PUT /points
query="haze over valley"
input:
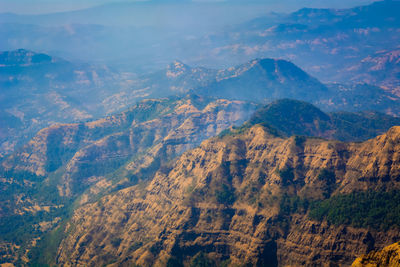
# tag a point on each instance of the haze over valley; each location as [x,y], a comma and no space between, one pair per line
[199,133]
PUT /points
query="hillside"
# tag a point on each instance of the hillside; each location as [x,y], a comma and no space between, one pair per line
[293,117]
[240,199]
[80,162]
[38,90]
[389,256]
[69,165]
[60,91]
[333,45]
[381,68]
[265,79]
[187,133]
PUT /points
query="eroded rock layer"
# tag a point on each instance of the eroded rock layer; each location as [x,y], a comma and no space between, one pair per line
[222,201]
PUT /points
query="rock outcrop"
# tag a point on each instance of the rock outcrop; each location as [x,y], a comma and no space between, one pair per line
[222,200]
[389,256]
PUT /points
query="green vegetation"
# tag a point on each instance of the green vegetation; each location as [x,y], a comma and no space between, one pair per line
[201,260]
[292,117]
[225,195]
[293,204]
[234,131]
[361,126]
[44,253]
[300,140]
[174,262]
[376,210]
[286,174]
[115,242]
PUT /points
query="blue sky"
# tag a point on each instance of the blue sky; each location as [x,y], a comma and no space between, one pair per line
[47,6]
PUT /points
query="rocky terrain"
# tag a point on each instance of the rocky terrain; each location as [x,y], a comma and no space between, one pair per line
[71,165]
[227,202]
[382,68]
[56,89]
[38,90]
[276,143]
[57,166]
[389,256]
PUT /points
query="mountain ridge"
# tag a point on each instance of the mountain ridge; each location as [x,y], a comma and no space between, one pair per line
[204,202]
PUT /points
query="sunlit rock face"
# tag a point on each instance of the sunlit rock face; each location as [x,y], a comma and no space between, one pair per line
[223,199]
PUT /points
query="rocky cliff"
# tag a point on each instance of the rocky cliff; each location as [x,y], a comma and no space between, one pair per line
[81,161]
[237,200]
[389,256]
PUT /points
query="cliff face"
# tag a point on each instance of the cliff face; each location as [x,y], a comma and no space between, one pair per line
[89,150]
[389,256]
[69,162]
[224,199]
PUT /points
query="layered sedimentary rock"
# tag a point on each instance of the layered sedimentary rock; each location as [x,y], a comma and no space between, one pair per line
[223,198]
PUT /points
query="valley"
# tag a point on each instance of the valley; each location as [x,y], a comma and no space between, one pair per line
[178,134]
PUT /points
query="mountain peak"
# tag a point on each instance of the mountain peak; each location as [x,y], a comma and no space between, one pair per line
[176,69]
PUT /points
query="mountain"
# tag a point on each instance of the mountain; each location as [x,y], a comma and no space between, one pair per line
[62,92]
[382,68]
[68,166]
[71,164]
[293,117]
[178,77]
[252,198]
[38,90]
[389,256]
[265,79]
[132,35]
[323,42]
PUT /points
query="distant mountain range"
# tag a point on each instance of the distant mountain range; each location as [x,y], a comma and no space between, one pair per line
[381,68]
[324,42]
[283,149]
[60,91]
[38,90]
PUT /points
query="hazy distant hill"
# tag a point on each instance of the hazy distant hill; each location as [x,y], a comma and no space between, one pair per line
[324,42]
[292,117]
[381,68]
[38,89]
[321,41]
[60,91]
[265,79]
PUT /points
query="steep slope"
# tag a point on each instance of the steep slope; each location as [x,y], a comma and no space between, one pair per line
[389,256]
[265,79]
[38,90]
[292,117]
[61,92]
[359,97]
[69,161]
[236,200]
[324,42]
[381,68]
[180,78]
[82,162]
